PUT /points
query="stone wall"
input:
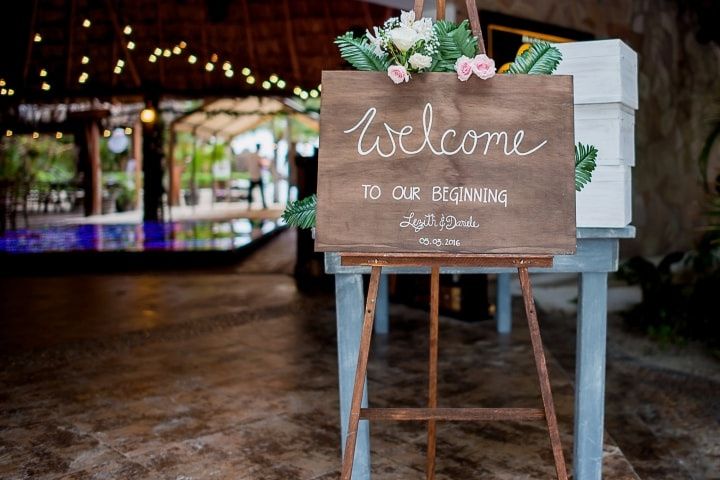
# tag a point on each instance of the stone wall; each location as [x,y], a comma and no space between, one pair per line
[679,85]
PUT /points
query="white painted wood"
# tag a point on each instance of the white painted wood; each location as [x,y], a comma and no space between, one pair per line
[611,128]
[607,200]
[604,71]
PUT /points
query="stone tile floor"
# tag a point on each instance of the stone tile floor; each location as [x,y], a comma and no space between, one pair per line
[230,374]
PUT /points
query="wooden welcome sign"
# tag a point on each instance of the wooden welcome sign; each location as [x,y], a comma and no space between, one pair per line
[443,166]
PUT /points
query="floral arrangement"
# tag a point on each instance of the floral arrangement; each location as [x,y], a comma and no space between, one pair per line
[406,45]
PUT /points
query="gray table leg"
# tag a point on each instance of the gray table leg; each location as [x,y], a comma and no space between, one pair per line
[590,376]
[382,308]
[503,304]
[350,306]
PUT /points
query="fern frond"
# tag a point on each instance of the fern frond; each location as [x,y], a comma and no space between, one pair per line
[454,42]
[301,213]
[540,59]
[359,53]
[585,156]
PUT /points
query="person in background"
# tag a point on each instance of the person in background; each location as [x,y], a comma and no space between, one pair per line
[255,165]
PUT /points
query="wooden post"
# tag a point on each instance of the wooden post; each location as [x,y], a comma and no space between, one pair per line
[137,155]
[432,369]
[93,170]
[174,172]
[152,168]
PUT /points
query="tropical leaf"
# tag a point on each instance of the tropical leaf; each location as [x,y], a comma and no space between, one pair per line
[540,59]
[585,156]
[301,213]
[359,53]
[454,42]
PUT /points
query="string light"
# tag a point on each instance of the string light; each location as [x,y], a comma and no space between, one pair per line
[266,85]
[127,30]
[229,73]
[120,62]
[245,71]
[128,131]
[43,72]
[297,90]
[2,82]
[209,67]
[83,77]
[3,91]
[304,95]
[58,135]
[11,92]
[167,52]
[117,70]
[314,93]
[106,133]
[273,78]
[147,115]
[152,58]
[182,44]
[8,133]
[37,38]
[250,79]
[131,45]
[157,52]
[192,59]
[227,66]
[319,88]
[281,83]
[177,50]
[45,86]
[85,60]
[86,23]
[214,57]
[35,135]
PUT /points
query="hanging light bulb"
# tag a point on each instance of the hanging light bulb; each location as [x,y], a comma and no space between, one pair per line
[281,83]
[85,60]
[209,67]
[35,135]
[245,71]
[58,135]
[117,70]
[127,30]
[166,52]
[148,115]
[214,57]
[273,78]
[3,91]
[8,133]
[250,79]
[37,38]
[314,93]
[2,82]
[86,23]
[192,59]
[182,44]
[152,58]
[11,92]
[229,73]
[83,77]
[304,95]
[266,85]
[226,66]
[43,72]
[297,90]
[106,133]
[177,50]
[131,45]
[157,52]
[45,86]
[128,131]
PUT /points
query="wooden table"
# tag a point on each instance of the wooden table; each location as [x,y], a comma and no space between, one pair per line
[597,255]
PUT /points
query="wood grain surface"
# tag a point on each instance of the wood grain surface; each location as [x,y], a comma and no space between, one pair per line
[393,158]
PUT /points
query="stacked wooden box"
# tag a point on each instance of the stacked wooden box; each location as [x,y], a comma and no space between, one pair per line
[606,98]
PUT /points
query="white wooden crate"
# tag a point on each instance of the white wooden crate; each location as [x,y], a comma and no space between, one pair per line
[606,97]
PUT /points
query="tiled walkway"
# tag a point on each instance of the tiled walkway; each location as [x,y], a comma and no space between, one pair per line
[233,375]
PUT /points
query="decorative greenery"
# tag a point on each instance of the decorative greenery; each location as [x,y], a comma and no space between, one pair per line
[540,59]
[585,156]
[454,42]
[359,53]
[301,213]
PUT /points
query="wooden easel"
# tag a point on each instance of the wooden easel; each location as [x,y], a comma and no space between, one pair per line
[432,413]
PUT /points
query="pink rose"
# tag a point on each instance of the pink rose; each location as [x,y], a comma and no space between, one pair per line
[483,66]
[398,74]
[464,68]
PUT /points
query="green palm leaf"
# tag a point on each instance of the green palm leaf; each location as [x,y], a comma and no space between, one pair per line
[359,53]
[454,42]
[301,213]
[540,59]
[585,156]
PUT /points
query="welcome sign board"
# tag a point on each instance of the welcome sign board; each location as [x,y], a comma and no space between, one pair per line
[443,166]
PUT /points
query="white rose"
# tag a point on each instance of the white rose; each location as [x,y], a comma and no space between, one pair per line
[403,37]
[423,27]
[407,18]
[418,60]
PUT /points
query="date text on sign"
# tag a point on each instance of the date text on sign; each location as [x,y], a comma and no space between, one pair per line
[439,165]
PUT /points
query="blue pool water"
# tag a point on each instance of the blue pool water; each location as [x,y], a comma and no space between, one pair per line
[226,235]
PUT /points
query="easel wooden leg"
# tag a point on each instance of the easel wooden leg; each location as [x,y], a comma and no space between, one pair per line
[432,369]
[542,371]
[360,372]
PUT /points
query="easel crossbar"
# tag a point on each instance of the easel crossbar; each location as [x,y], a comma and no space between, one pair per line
[452,414]
[357,259]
